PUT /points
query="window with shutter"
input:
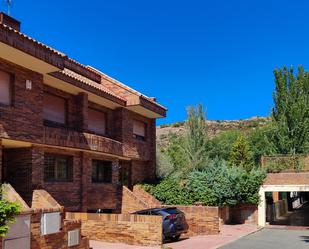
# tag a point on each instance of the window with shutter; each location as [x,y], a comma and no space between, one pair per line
[54,109]
[139,130]
[5,88]
[96,121]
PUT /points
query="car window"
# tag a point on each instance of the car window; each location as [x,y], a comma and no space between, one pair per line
[172,211]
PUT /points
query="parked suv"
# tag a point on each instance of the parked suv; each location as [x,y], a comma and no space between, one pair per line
[174,221]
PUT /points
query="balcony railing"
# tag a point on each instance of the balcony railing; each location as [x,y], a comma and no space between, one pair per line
[73,139]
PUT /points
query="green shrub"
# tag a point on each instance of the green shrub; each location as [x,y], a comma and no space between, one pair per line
[8,211]
[216,185]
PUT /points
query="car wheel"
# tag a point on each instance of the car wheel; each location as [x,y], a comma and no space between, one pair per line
[175,238]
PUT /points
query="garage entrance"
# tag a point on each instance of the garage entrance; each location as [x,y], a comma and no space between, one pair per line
[284,205]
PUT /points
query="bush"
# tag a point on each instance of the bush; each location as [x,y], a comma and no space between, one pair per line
[217,185]
[8,211]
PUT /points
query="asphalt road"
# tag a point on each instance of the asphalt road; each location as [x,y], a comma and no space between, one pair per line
[272,239]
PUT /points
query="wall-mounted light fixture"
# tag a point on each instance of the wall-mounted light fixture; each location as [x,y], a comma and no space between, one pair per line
[28,84]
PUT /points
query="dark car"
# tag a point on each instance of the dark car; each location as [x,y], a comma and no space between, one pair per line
[174,221]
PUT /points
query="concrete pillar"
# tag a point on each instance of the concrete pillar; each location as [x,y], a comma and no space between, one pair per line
[262,208]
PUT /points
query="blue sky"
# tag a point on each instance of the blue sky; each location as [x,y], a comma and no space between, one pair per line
[218,53]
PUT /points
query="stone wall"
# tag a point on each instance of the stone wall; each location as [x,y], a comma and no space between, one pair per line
[129,229]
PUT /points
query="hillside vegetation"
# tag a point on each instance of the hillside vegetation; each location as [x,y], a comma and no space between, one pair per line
[213,128]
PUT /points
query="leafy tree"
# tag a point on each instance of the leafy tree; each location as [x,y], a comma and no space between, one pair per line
[175,153]
[195,140]
[290,114]
[260,143]
[164,166]
[241,154]
[221,145]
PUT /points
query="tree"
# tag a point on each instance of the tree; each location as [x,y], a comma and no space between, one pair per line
[195,140]
[164,166]
[241,154]
[290,114]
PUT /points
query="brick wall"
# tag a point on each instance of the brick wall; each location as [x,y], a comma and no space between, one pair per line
[201,220]
[25,113]
[244,214]
[44,203]
[131,202]
[129,229]
[145,196]
[57,240]
[225,215]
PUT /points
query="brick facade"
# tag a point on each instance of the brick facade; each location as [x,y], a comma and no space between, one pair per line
[26,139]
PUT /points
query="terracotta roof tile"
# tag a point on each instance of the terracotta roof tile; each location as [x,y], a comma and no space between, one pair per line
[89,82]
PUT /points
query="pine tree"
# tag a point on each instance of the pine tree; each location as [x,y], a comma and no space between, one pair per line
[290,114]
[241,154]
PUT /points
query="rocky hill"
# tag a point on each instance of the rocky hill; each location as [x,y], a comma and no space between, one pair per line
[214,127]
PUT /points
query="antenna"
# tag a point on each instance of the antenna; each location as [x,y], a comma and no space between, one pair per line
[9,3]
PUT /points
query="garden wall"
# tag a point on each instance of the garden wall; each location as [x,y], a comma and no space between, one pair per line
[131,202]
[201,220]
[122,228]
[244,214]
[43,203]
[148,198]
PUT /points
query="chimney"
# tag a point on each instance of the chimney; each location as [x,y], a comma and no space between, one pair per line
[9,21]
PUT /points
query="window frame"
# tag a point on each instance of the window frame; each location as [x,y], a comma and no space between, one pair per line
[139,137]
[11,88]
[106,121]
[52,123]
[69,168]
[96,178]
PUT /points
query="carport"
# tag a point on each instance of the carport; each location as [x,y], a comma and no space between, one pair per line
[281,182]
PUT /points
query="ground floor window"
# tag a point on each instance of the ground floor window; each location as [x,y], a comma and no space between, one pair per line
[58,168]
[101,171]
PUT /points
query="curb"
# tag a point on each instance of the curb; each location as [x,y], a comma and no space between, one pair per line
[240,237]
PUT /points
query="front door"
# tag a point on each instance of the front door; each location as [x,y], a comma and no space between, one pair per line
[125,174]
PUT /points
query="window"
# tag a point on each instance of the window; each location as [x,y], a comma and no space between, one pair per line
[139,130]
[58,168]
[96,121]
[54,109]
[5,88]
[101,171]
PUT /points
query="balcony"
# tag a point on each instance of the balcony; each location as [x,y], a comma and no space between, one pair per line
[73,139]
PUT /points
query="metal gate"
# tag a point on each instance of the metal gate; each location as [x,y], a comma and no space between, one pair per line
[19,234]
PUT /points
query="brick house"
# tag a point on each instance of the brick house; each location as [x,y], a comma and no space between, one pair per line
[69,128]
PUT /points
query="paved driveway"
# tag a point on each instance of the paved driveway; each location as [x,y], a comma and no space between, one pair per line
[228,234]
[272,239]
